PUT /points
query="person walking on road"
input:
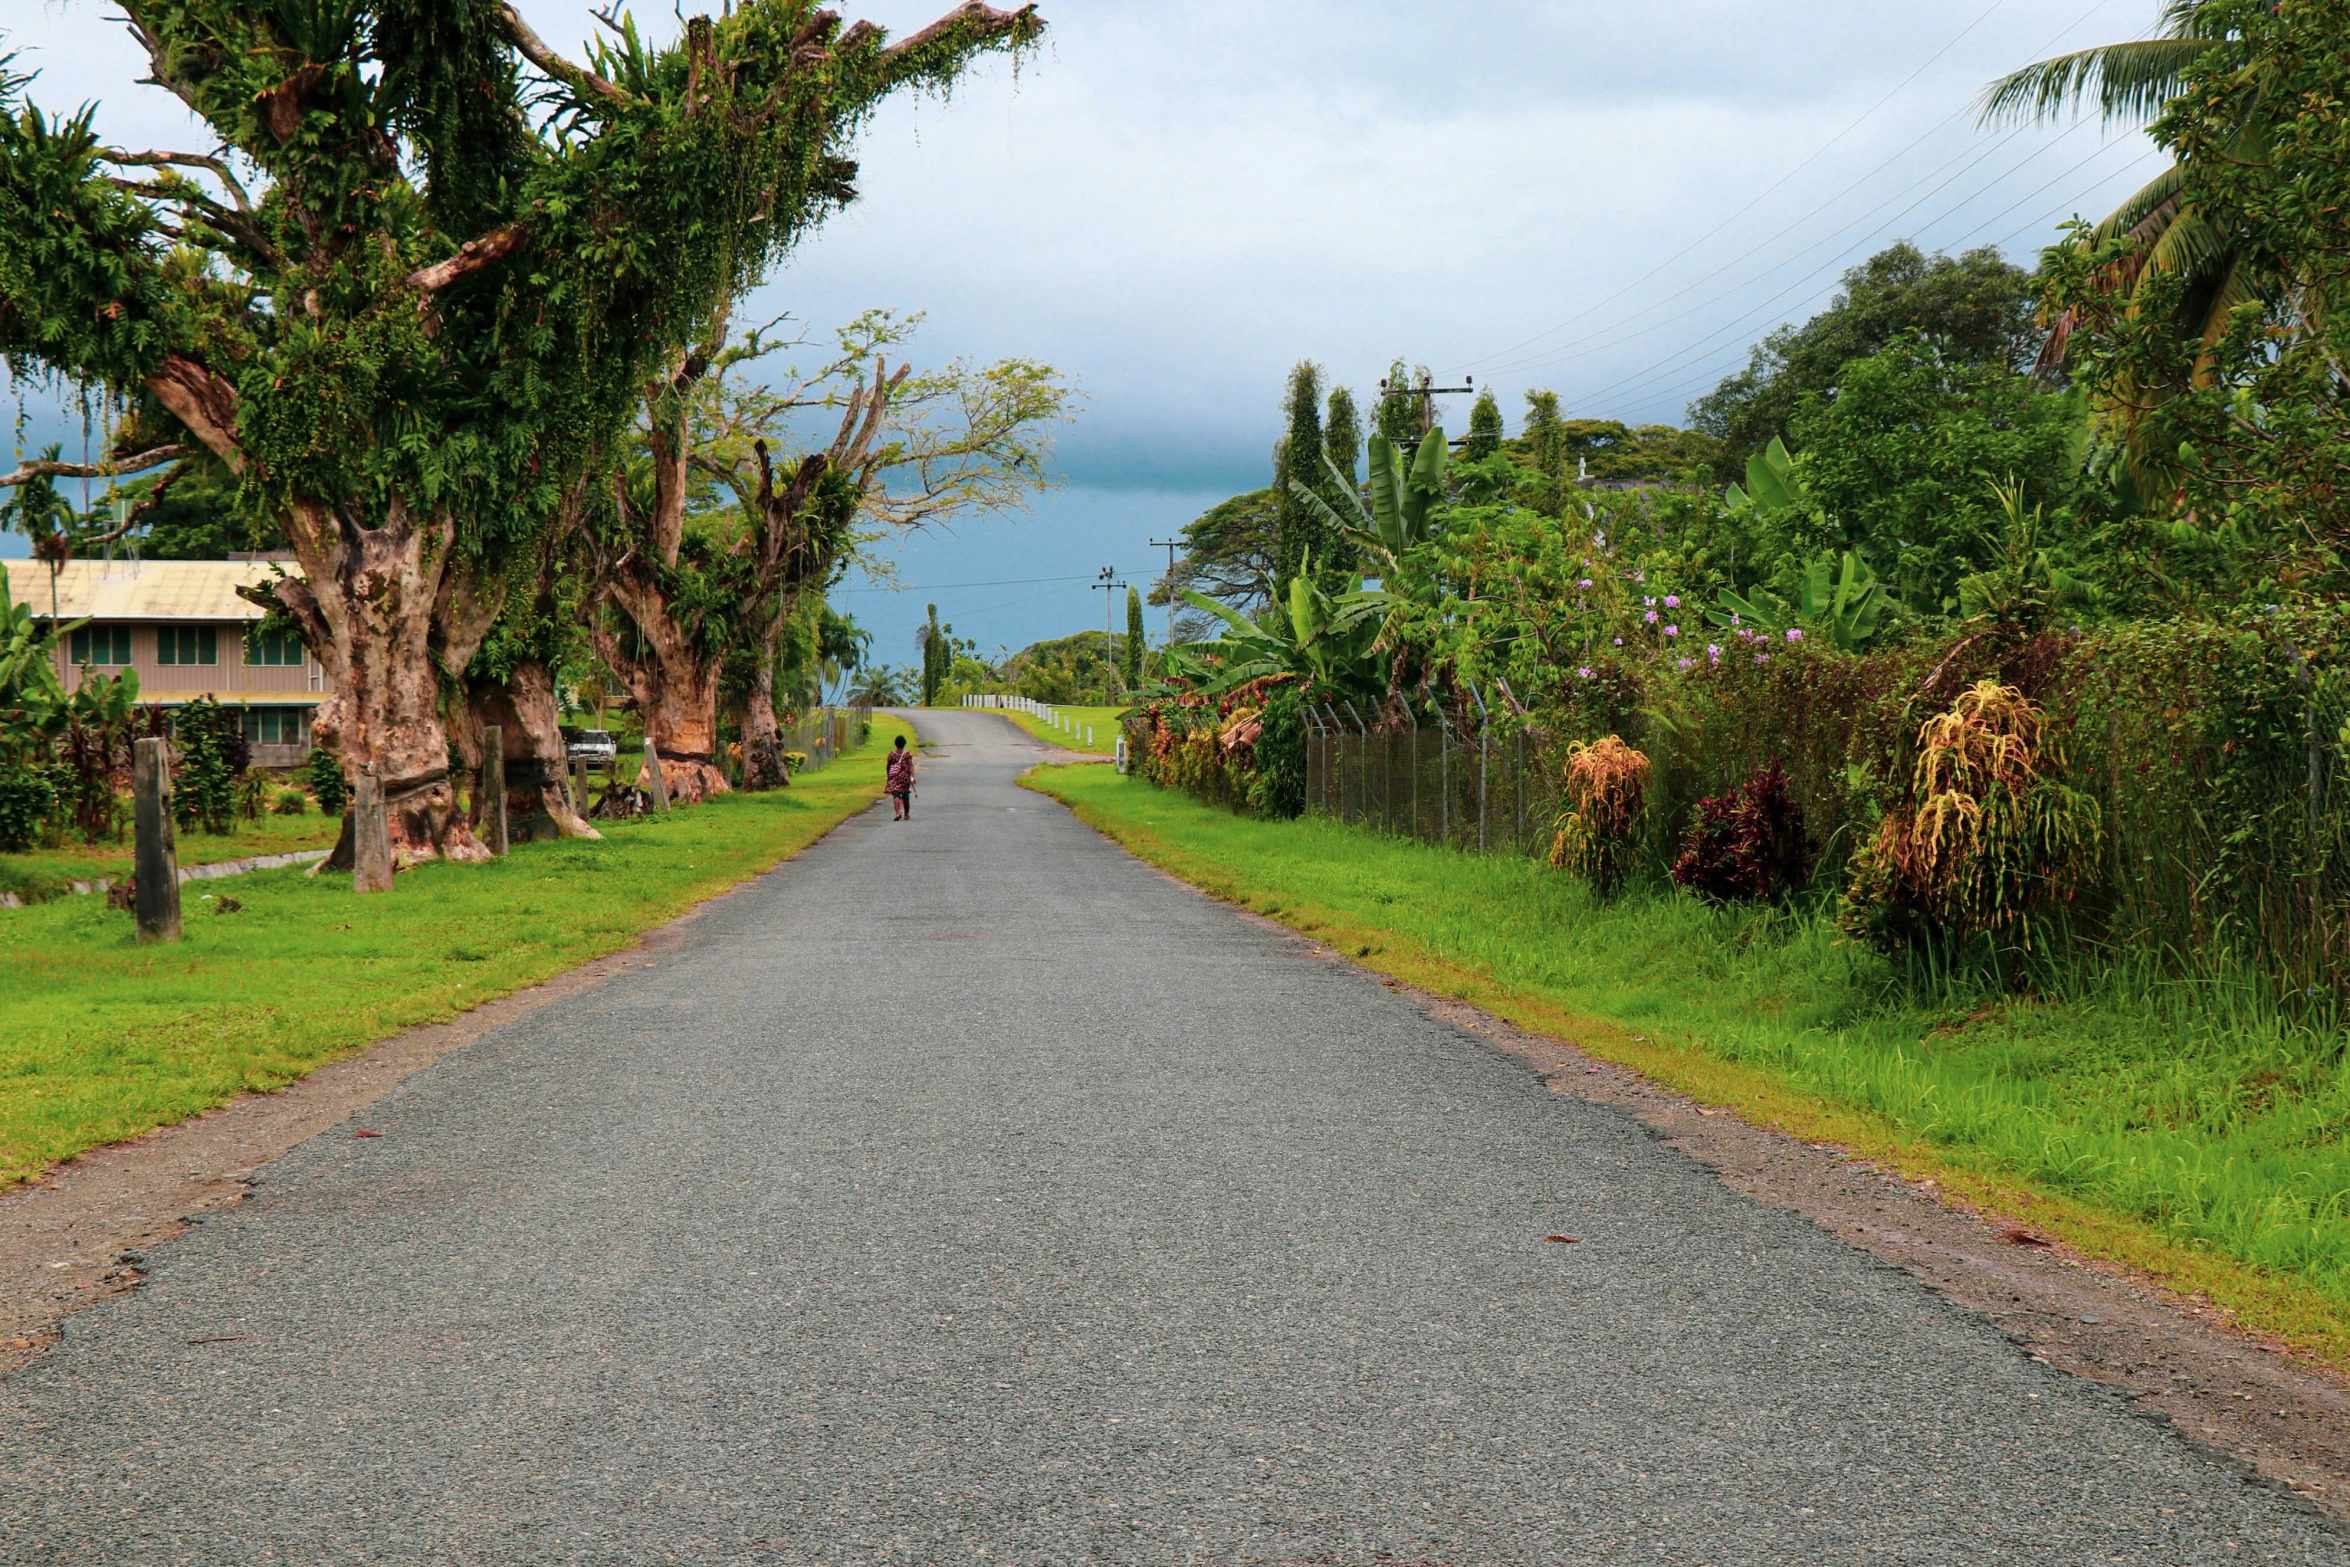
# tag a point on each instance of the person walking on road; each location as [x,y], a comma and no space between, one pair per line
[900,781]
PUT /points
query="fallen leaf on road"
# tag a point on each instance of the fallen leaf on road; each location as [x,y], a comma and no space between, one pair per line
[2017,1235]
[221,1338]
[1568,1240]
[363,1132]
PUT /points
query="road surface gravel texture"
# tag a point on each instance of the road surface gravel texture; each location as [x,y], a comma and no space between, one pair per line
[965,1191]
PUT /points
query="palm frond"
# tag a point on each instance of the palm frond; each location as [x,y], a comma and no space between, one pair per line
[2130,81]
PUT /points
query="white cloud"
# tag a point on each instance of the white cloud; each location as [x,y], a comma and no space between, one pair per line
[1175,202]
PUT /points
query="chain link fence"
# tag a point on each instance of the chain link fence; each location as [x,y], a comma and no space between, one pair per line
[825,734]
[1482,787]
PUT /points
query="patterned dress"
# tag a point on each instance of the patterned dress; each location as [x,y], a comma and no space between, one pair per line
[901,772]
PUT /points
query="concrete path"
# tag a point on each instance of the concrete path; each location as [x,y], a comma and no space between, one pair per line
[966,1192]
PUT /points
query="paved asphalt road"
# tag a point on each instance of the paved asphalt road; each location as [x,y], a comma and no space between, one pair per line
[965,1192]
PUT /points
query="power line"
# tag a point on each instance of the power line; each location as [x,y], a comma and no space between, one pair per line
[1972,160]
[1738,322]
[1774,185]
[1690,384]
[1488,362]
[943,587]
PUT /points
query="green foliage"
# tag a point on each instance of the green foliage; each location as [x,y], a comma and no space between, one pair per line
[290,802]
[1324,640]
[209,750]
[1841,600]
[327,784]
[1278,788]
[1072,671]
[1485,427]
[1342,435]
[1131,650]
[1975,311]
[2225,392]
[1228,553]
[27,796]
[936,658]
[1300,532]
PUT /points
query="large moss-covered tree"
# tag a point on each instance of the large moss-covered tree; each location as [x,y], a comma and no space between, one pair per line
[415,292]
[709,558]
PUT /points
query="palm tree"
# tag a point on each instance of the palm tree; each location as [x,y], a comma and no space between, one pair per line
[2133,83]
[878,685]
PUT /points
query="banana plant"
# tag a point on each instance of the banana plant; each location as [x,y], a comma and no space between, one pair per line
[1324,639]
[2023,587]
[1771,482]
[32,699]
[1843,601]
[1404,497]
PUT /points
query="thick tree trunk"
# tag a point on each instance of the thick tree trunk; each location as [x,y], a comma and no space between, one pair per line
[526,710]
[763,765]
[676,690]
[375,605]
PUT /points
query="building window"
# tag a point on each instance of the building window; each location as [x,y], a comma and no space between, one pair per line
[280,651]
[187,645]
[100,645]
[277,725]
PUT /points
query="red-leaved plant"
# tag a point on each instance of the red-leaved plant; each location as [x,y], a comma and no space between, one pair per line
[1748,845]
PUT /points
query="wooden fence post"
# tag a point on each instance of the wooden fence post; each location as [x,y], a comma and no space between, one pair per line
[155,857]
[655,783]
[493,788]
[371,834]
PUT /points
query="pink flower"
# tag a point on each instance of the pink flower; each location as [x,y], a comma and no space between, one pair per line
[1672,631]
[1586,582]
[1650,617]
[1672,601]
[1762,658]
[1619,641]
[1683,663]
[1583,673]
[1713,652]
[1648,601]
[1794,635]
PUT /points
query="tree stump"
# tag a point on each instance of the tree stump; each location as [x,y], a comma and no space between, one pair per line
[656,784]
[371,835]
[156,856]
[493,789]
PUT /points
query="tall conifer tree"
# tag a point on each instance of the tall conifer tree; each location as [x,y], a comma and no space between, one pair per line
[1299,533]
[1485,427]
[1342,435]
[1136,640]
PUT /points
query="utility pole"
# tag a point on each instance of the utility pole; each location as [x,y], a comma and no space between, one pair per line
[1427,396]
[1170,546]
[1107,585]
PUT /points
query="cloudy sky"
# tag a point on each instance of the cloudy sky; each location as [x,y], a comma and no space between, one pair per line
[1174,202]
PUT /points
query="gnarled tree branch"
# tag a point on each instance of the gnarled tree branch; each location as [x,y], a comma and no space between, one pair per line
[214,166]
[471,257]
[155,457]
[535,50]
[203,402]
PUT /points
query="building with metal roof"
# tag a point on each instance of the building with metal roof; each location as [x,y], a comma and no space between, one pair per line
[183,627]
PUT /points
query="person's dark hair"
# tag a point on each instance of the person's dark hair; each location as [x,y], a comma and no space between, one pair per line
[901,742]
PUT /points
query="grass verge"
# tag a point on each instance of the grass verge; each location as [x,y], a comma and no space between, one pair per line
[102,1039]
[1103,720]
[2195,1134]
[40,874]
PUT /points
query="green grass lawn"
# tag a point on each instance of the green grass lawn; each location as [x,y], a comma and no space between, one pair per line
[2195,1133]
[46,873]
[1103,719]
[102,1039]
